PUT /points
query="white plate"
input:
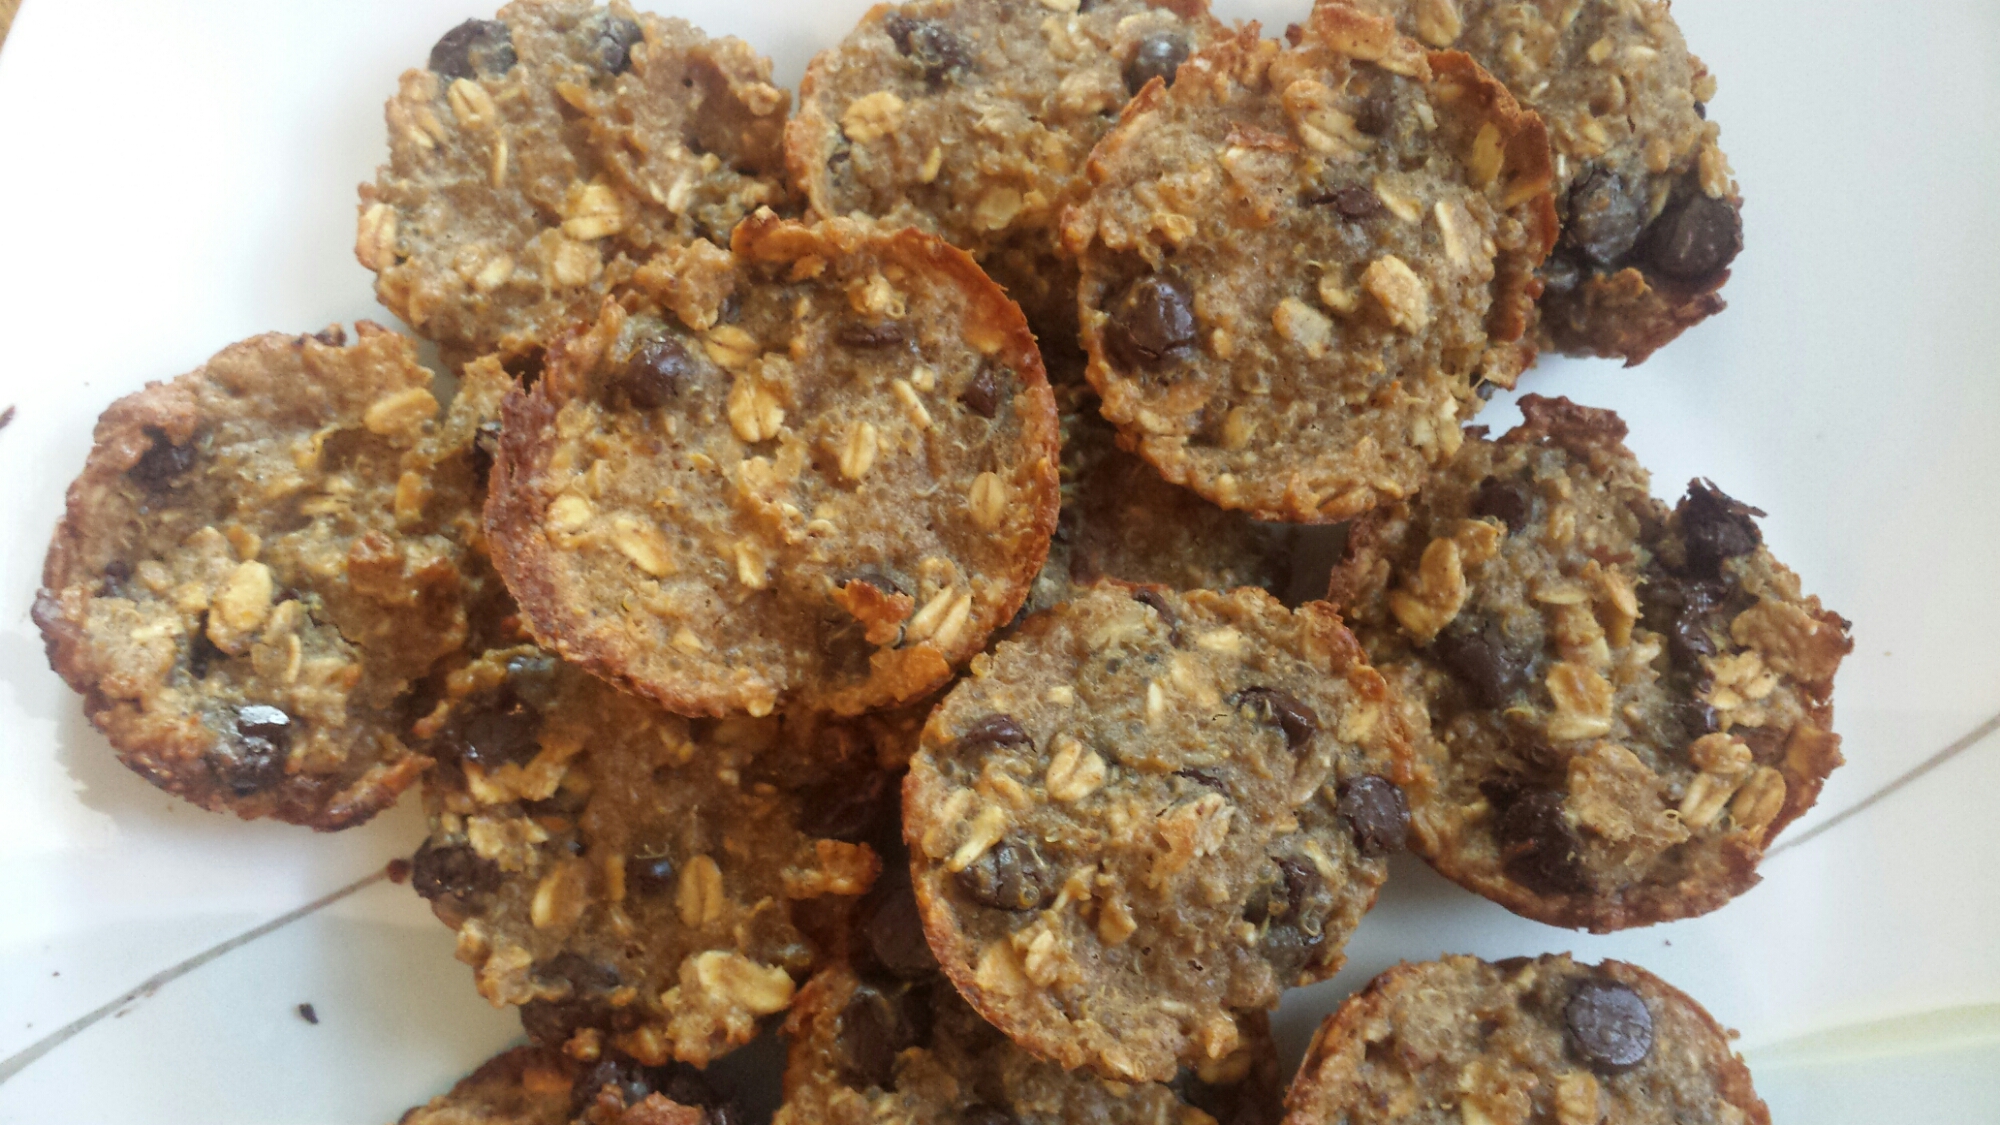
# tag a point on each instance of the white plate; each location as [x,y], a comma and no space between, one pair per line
[179,176]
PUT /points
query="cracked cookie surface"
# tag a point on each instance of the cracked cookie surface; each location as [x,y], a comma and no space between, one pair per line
[972,119]
[1651,213]
[1625,704]
[545,155]
[1148,813]
[628,877]
[1460,1040]
[537,1086]
[1299,262]
[819,481]
[257,561]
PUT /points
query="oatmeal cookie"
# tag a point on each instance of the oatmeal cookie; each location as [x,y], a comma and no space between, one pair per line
[257,561]
[1625,704]
[1459,1040]
[537,1086]
[972,119]
[819,482]
[1300,262]
[1651,212]
[625,876]
[1146,815]
[544,155]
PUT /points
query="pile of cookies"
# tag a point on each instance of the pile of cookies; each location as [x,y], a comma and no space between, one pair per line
[832,579]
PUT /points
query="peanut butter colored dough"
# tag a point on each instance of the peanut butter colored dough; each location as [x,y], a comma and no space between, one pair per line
[626,877]
[1650,209]
[1299,262]
[1135,823]
[972,119]
[1458,1041]
[1625,705]
[536,1086]
[257,562]
[819,481]
[545,155]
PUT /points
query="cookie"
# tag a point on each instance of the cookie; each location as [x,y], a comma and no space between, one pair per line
[818,482]
[1146,815]
[1120,520]
[1625,704]
[257,562]
[1522,1040]
[543,156]
[536,1086]
[972,119]
[1299,264]
[624,876]
[1651,212]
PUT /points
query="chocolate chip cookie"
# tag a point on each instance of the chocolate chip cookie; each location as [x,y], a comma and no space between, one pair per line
[816,478]
[1299,263]
[1146,815]
[1459,1040]
[1625,703]
[1651,213]
[537,1086]
[257,562]
[972,119]
[543,156]
[625,876]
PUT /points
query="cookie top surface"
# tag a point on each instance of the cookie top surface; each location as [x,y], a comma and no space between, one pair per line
[1650,210]
[1523,1040]
[536,1086]
[256,562]
[544,155]
[819,482]
[1625,704]
[629,877]
[1298,262]
[972,119]
[1148,813]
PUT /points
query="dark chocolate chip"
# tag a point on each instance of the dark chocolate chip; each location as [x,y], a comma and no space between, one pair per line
[928,44]
[1271,705]
[652,875]
[309,1014]
[895,932]
[1352,202]
[1698,718]
[1609,1025]
[982,394]
[1695,239]
[472,48]
[202,653]
[1377,112]
[262,745]
[1157,602]
[455,870]
[1538,848]
[1011,875]
[1158,55]
[262,721]
[993,732]
[1490,666]
[158,466]
[1504,499]
[612,49]
[1701,110]
[657,372]
[1151,322]
[1606,218]
[1376,812]
[859,334]
[867,1041]
[1717,528]
[849,808]
[507,732]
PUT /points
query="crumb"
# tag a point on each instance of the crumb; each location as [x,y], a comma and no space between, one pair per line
[6,416]
[398,871]
[307,1014]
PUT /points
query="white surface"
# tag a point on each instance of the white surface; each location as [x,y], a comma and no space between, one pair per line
[181,176]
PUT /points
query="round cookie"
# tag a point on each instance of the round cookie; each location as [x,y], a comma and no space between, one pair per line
[1146,815]
[1460,1040]
[1651,213]
[543,156]
[257,561]
[819,482]
[972,119]
[627,877]
[1300,263]
[537,1086]
[1625,704]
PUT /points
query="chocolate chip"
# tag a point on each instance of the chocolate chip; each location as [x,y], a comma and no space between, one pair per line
[1151,322]
[1717,528]
[652,875]
[1489,665]
[612,48]
[850,808]
[1695,239]
[858,334]
[993,732]
[159,465]
[1157,602]
[509,732]
[1701,110]
[1289,950]
[1352,202]
[869,1037]
[1376,813]
[1606,218]
[1504,499]
[1158,55]
[657,372]
[1377,111]
[202,653]
[1538,848]
[928,44]
[1609,1025]
[262,721]
[472,48]
[982,394]
[263,742]
[455,870]
[1697,718]
[1271,705]
[1011,875]
[895,932]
